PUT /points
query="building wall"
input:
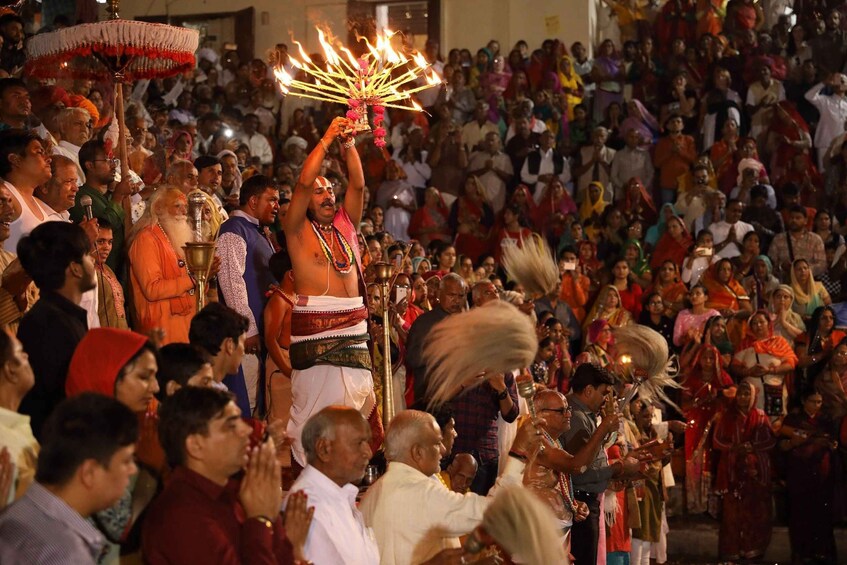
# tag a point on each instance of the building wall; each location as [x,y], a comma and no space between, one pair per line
[276,21]
[472,23]
[464,23]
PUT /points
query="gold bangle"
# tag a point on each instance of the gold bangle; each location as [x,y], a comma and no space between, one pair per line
[324,145]
[264,520]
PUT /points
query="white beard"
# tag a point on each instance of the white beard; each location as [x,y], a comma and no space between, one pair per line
[178,231]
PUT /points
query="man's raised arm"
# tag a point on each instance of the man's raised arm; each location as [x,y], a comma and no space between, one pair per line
[296,216]
[354,198]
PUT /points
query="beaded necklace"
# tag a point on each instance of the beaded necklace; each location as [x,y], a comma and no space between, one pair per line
[343,265]
[565,485]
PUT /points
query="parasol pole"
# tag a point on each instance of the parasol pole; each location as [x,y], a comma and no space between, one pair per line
[119,109]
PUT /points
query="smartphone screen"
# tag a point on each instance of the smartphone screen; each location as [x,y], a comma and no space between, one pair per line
[401,293]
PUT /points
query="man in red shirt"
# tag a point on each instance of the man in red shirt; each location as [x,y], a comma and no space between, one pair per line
[204,515]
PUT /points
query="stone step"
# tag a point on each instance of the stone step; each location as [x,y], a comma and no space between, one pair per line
[695,540]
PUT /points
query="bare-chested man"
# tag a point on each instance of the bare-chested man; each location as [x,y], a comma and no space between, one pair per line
[329,352]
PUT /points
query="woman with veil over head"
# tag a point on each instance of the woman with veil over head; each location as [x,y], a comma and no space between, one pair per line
[766,362]
[744,438]
[471,218]
[707,388]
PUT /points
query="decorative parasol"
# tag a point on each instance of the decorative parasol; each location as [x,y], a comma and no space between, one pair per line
[116,50]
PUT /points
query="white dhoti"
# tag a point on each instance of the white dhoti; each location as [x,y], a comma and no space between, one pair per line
[327,382]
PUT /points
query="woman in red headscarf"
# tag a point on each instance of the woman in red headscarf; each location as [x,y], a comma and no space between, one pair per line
[673,245]
[744,437]
[429,222]
[788,136]
[555,203]
[123,365]
[705,388]
[588,263]
[599,344]
[522,199]
[471,218]
[637,203]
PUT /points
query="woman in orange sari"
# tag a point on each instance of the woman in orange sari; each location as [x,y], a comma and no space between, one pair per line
[667,283]
[727,296]
[766,361]
[609,307]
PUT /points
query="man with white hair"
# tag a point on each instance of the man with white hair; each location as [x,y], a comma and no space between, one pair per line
[833,110]
[230,179]
[337,452]
[162,289]
[183,175]
[294,150]
[413,515]
[75,129]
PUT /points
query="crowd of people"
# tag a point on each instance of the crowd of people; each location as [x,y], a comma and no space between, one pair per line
[690,177]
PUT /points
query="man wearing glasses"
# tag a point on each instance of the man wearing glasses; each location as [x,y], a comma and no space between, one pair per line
[113,206]
[549,474]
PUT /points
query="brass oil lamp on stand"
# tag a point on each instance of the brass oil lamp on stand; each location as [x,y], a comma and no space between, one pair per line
[384,272]
[200,253]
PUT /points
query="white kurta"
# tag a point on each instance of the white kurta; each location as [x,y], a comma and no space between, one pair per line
[833,111]
[414,517]
[338,534]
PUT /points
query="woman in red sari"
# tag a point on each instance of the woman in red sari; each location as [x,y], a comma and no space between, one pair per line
[555,203]
[811,478]
[522,199]
[666,281]
[743,436]
[637,203]
[429,222]
[703,396]
[471,217]
[673,245]
[511,233]
[789,136]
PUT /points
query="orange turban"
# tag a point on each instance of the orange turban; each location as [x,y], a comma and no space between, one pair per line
[78,101]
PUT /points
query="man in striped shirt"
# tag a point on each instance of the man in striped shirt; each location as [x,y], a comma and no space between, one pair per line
[85,463]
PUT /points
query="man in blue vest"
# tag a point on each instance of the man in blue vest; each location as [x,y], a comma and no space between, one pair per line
[245,249]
